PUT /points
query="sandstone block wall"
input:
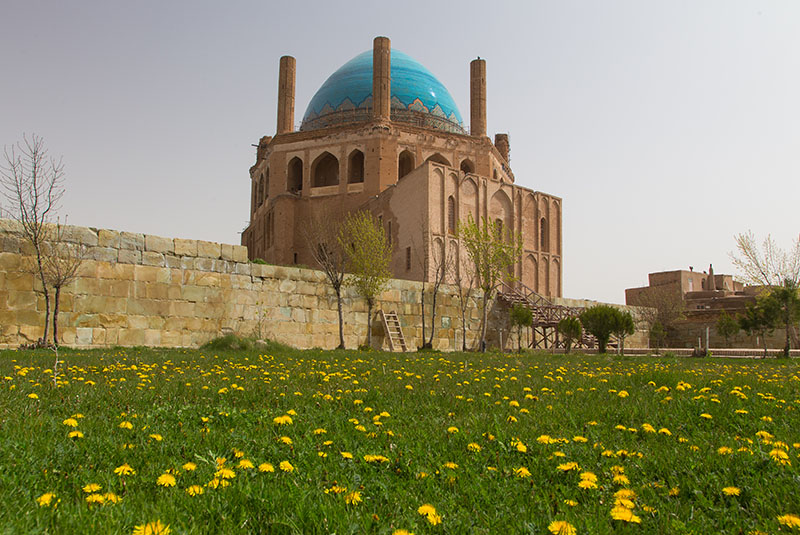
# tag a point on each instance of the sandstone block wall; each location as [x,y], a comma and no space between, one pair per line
[136,289]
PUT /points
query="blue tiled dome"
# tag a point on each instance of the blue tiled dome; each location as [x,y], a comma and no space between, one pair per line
[417,96]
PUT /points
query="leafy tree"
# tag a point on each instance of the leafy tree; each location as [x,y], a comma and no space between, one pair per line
[368,256]
[623,326]
[760,319]
[521,316]
[727,326]
[786,300]
[657,334]
[32,184]
[570,330]
[322,236]
[600,321]
[491,254]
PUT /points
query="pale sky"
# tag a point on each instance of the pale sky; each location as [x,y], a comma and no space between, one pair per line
[666,126]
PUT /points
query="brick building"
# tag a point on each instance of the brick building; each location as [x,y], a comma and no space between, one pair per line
[383,134]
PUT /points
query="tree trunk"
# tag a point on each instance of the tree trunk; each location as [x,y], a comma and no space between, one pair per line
[764,338]
[788,322]
[422,306]
[55,315]
[464,329]
[369,322]
[429,343]
[601,345]
[484,321]
[341,321]
[46,296]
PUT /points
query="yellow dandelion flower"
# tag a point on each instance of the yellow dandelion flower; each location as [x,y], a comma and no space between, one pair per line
[110,497]
[124,470]
[780,456]
[571,503]
[125,425]
[451,465]
[665,431]
[336,489]
[731,491]
[33,396]
[95,498]
[561,527]
[45,499]
[156,437]
[91,487]
[190,467]
[225,473]
[353,498]
[674,491]
[452,430]
[286,466]
[166,480]
[724,450]
[587,484]
[566,467]
[246,464]
[624,514]
[70,422]
[194,490]
[706,416]
[266,467]
[622,393]
[402,532]
[152,528]
[588,476]
[522,472]
[621,479]
[319,431]
[579,438]
[285,440]
[474,447]
[346,454]
[75,434]
[792,521]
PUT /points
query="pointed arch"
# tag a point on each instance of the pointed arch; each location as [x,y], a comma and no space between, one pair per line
[469,199]
[438,158]
[325,170]
[555,278]
[452,217]
[467,167]
[501,209]
[294,175]
[530,272]
[405,163]
[355,167]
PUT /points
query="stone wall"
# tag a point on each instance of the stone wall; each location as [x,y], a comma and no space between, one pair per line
[135,289]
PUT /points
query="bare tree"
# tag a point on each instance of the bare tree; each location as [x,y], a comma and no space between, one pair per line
[322,236]
[60,264]
[32,184]
[661,305]
[440,264]
[463,275]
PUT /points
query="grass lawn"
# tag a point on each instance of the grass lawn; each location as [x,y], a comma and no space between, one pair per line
[283,441]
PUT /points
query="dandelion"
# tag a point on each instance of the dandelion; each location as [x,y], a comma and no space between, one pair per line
[152,528]
[156,437]
[285,440]
[225,473]
[33,396]
[124,470]
[286,466]
[91,487]
[402,532]
[75,434]
[706,416]
[353,498]
[731,491]
[282,420]
[674,491]
[70,422]
[474,447]
[190,467]
[624,514]
[429,511]
[336,489]
[588,476]
[95,498]
[125,425]
[452,430]
[587,484]
[665,431]
[346,454]
[792,521]
[266,467]
[451,465]
[319,431]
[566,467]
[561,527]
[724,450]
[571,503]
[194,490]
[522,472]
[780,456]
[622,393]
[621,479]
[166,480]
[110,497]
[45,499]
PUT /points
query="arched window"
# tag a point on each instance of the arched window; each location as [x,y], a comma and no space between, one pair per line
[325,171]
[438,158]
[544,236]
[294,182]
[494,174]
[467,167]
[405,164]
[265,179]
[451,214]
[355,165]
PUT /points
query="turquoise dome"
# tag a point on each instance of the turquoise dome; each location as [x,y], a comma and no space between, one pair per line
[417,96]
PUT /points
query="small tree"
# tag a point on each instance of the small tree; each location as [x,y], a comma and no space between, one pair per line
[727,326]
[623,326]
[61,264]
[521,316]
[662,305]
[368,256]
[787,302]
[600,321]
[491,254]
[322,238]
[657,334]
[32,186]
[759,319]
[570,330]
[463,274]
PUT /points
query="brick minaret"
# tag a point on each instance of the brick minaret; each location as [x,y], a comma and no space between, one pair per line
[286,95]
[477,97]
[381,79]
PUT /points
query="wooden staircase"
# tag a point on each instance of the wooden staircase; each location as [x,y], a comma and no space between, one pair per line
[394,333]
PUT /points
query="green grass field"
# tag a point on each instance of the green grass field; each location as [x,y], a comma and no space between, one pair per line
[285,441]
